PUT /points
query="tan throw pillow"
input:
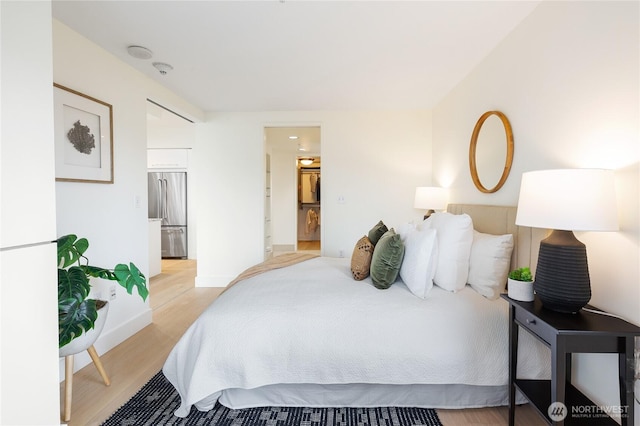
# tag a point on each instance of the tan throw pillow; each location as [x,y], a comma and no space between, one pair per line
[361,258]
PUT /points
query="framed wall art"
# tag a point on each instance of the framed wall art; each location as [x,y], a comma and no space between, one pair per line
[83,138]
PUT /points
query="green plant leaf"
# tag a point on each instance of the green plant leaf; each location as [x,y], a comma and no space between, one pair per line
[521,274]
[70,249]
[76,313]
[73,284]
[129,277]
[74,318]
[94,271]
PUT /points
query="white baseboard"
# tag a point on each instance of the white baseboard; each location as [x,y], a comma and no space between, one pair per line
[109,340]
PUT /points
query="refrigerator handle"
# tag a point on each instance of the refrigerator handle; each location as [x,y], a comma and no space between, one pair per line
[164,193]
[159,202]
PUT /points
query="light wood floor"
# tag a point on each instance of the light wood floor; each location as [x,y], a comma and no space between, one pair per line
[308,245]
[176,303]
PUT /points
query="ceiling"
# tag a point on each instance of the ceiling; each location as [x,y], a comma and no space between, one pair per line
[286,55]
[306,144]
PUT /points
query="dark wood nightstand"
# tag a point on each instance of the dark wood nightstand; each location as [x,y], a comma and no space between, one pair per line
[564,334]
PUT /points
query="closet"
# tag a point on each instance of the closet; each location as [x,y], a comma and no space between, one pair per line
[309,184]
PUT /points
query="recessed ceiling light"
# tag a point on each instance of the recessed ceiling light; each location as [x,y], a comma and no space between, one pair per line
[293,137]
[139,52]
[301,148]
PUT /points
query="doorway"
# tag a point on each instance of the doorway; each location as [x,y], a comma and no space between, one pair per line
[309,198]
[170,139]
[286,147]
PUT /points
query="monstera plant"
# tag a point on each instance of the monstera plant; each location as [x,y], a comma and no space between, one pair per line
[77,313]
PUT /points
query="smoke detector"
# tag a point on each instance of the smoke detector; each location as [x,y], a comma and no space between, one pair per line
[139,52]
[162,67]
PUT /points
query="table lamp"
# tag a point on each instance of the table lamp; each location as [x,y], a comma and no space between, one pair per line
[564,201]
[430,198]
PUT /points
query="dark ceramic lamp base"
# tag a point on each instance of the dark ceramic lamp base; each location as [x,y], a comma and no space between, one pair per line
[562,275]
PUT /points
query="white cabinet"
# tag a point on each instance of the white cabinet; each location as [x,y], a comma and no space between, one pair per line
[155,256]
[29,367]
[28,194]
[162,158]
[29,360]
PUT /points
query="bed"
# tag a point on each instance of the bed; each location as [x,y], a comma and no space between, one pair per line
[309,334]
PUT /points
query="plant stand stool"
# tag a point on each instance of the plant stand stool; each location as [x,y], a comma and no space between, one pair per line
[68,378]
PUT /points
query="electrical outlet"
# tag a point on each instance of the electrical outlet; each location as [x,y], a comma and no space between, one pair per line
[341,253]
[112,292]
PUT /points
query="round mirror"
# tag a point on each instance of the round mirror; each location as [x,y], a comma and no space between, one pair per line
[491,142]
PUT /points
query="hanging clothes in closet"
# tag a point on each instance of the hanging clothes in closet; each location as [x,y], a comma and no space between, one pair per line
[314,185]
[313,179]
[311,222]
[309,186]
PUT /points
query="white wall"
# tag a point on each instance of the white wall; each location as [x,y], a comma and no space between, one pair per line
[107,214]
[372,159]
[567,78]
[28,359]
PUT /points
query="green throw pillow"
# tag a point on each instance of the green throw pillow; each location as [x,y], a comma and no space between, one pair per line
[386,260]
[377,232]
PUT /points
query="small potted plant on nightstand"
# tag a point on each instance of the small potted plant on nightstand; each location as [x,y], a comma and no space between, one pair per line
[520,284]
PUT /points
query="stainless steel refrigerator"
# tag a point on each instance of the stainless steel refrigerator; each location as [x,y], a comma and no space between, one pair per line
[168,201]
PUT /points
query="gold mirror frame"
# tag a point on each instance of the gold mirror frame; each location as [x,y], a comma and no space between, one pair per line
[472,151]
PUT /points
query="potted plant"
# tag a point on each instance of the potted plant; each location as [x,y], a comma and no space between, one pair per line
[520,284]
[77,313]
[80,319]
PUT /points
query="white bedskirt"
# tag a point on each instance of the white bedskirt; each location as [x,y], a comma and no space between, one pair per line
[369,395]
[311,323]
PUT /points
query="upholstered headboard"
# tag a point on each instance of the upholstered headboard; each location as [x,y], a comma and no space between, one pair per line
[502,220]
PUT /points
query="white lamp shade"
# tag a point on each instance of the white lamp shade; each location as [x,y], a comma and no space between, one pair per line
[568,200]
[430,197]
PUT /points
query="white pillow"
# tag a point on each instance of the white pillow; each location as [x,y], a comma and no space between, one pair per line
[489,263]
[420,255]
[405,229]
[455,235]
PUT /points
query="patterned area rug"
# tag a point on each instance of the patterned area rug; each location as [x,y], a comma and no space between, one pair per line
[155,403]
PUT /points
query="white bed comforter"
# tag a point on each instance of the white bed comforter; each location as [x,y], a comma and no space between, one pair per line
[312,323]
